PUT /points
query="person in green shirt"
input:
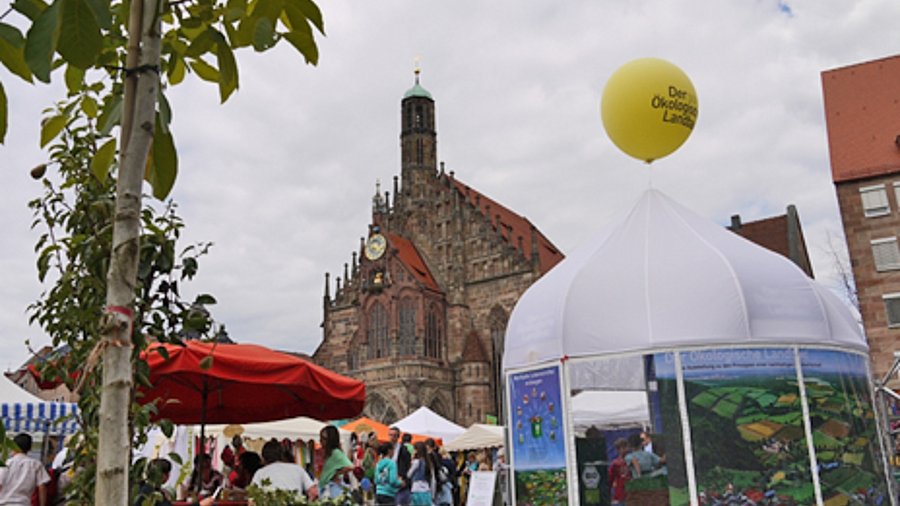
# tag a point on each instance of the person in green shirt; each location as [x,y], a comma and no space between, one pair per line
[337,464]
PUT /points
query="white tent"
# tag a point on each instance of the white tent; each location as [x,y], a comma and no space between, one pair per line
[293,428]
[671,278]
[609,410]
[23,412]
[428,423]
[478,436]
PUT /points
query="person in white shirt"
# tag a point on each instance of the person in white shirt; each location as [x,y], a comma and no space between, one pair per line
[282,475]
[22,475]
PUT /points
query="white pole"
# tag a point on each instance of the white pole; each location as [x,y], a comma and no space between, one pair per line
[807,427]
[685,431]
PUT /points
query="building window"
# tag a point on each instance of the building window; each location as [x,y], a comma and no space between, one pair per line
[886,254]
[874,201]
[892,309]
[407,326]
[433,333]
[379,346]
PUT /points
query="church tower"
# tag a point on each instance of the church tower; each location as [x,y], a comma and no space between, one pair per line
[418,142]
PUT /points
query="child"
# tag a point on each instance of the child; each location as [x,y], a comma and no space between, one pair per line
[619,473]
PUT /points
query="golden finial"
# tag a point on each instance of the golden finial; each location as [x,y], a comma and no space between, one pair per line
[418,69]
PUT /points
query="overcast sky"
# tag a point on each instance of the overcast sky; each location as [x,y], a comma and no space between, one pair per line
[281,177]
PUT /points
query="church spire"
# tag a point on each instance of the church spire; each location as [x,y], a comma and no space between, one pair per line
[418,140]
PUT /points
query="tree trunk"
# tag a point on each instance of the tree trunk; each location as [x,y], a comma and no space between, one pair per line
[138,120]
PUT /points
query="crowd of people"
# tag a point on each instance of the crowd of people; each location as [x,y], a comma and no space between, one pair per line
[373,472]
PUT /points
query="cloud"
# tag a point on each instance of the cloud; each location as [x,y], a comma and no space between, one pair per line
[281,177]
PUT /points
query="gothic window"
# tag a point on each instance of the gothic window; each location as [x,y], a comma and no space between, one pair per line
[497,324]
[379,346]
[378,409]
[407,326]
[419,151]
[434,333]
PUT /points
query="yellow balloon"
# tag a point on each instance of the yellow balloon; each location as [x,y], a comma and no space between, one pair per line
[649,108]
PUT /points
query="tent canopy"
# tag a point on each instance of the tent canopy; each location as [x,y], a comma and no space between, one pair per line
[478,436]
[301,427]
[665,277]
[427,422]
[24,412]
[364,425]
[609,410]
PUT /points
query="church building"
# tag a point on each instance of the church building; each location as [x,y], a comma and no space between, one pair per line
[420,312]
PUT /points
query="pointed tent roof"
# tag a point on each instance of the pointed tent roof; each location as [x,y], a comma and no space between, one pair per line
[664,277]
[427,422]
[478,436]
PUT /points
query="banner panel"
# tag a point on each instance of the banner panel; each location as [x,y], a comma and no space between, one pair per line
[851,465]
[746,420]
[538,438]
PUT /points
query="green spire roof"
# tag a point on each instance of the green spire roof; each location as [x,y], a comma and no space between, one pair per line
[417,90]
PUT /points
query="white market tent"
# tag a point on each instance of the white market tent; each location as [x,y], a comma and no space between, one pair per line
[478,436]
[672,279]
[609,410]
[428,423]
[23,412]
[665,282]
[301,427]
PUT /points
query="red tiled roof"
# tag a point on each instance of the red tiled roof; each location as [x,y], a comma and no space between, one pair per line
[409,256]
[862,113]
[473,351]
[770,233]
[513,226]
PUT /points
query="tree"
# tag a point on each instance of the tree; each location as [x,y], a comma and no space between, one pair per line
[136,48]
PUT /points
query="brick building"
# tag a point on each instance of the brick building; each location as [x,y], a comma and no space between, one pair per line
[862,112]
[420,312]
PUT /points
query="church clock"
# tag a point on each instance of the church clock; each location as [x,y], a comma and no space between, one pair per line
[375,246]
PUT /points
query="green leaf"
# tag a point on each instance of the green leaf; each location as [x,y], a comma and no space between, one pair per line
[165,111]
[205,298]
[12,52]
[267,9]
[234,10]
[40,42]
[311,11]
[243,37]
[264,34]
[176,70]
[165,162]
[29,8]
[303,42]
[205,71]
[51,127]
[3,114]
[74,77]
[112,114]
[103,160]
[228,71]
[89,106]
[201,44]
[79,39]
[206,363]
[101,12]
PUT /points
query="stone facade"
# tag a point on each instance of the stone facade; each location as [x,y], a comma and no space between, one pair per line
[422,323]
[872,284]
[862,112]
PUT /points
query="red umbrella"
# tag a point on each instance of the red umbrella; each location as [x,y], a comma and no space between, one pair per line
[244,383]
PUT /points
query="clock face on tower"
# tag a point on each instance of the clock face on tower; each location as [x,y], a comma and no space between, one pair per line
[375,246]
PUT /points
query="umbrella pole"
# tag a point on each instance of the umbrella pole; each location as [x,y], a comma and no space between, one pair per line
[204,394]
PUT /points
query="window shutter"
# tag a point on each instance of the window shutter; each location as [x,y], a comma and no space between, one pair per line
[886,254]
[874,201]
[892,308]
